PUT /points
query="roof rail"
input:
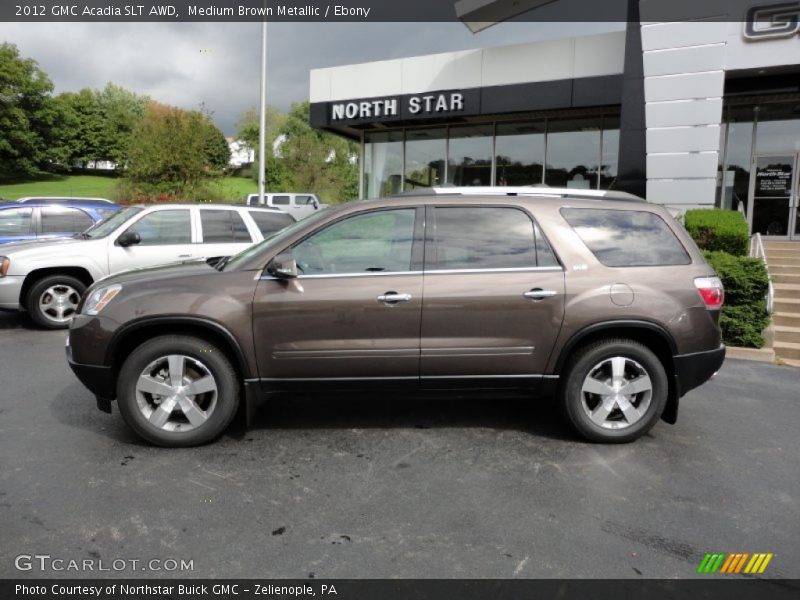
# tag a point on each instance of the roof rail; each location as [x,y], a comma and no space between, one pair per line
[534,190]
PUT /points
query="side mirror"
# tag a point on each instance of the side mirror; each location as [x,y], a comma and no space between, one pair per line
[129,238]
[315,203]
[283,266]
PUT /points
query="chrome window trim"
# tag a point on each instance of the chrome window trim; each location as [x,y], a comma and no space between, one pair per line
[498,270]
[432,272]
[346,275]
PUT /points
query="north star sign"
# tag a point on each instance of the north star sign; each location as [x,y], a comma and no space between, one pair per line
[418,105]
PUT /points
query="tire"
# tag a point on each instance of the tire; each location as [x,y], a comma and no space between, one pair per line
[190,419]
[53,300]
[616,417]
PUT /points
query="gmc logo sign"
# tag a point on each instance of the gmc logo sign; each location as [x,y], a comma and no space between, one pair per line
[770,21]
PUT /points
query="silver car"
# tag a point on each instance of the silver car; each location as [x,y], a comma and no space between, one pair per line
[47,278]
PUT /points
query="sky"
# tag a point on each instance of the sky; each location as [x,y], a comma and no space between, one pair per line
[218,64]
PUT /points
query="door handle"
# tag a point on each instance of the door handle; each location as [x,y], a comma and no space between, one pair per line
[184,256]
[394,298]
[539,294]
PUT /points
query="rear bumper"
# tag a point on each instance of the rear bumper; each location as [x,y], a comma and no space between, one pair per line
[693,370]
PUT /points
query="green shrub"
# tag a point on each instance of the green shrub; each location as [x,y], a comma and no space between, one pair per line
[718,230]
[744,314]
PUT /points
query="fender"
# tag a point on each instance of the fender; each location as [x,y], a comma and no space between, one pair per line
[627,323]
[202,322]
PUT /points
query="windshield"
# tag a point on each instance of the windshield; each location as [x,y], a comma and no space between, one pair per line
[274,239]
[106,226]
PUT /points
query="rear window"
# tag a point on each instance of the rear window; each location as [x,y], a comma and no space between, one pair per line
[627,238]
[64,220]
[271,222]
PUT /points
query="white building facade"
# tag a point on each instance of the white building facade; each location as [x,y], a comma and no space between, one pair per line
[719,101]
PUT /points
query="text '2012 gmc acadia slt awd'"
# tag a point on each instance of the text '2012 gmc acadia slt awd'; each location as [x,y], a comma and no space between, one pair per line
[597,297]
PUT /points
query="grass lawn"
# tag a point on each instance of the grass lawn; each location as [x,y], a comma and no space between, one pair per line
[67,185]
[236,188]
[233,189]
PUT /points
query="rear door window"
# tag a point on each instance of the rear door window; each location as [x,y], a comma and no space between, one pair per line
[56,219]
[627,238]
[280,200]
[223,226]
[485,238]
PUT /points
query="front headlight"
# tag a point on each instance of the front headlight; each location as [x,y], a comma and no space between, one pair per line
[99,298]
[5,263]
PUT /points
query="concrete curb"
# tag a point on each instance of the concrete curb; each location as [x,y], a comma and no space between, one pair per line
[758,354]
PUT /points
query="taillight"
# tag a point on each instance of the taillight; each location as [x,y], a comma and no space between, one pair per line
[711,291]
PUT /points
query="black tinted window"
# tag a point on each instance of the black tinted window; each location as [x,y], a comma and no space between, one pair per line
[15,221]
[545,257]
[64,220]
[281,200]
[626,238]
[271,222]
[221,226]
[485,238]
[164,227]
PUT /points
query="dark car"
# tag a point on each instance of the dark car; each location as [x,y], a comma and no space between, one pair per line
[41,219]
[599,298]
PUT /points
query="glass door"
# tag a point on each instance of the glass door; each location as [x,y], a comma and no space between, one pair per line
[795,217]
[773,189]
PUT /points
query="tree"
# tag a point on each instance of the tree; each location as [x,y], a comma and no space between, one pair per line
[173,153]
[79,127]
[248,129]
[120,112]
[217,150]
[27,115]
[303,159]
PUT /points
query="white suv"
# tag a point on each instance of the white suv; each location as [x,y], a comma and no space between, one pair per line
[300,205]
[47,278]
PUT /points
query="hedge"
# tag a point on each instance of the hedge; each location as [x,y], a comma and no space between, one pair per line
[718,230]
[744,314]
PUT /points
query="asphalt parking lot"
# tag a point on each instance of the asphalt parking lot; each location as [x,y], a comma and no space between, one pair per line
[391,487]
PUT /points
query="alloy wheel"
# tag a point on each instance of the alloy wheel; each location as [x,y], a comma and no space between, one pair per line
[59,302]
[176,393]
[616,393]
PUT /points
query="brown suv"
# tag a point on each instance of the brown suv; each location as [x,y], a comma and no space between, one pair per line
[600,298]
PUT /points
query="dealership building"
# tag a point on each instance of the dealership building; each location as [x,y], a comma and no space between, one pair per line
[691,114]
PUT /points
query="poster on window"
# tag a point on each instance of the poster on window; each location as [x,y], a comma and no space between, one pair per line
[774,177]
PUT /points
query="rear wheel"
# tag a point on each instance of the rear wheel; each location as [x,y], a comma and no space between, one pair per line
[53,300]
[177,391]
[614,391]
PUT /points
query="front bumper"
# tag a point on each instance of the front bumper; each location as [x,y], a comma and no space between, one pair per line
[98,379]
[10,290]
[693,370]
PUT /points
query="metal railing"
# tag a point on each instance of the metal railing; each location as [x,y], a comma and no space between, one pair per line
[757,251]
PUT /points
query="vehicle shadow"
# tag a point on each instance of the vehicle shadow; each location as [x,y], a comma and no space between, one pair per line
[74,406]
[404,411]
[15,320]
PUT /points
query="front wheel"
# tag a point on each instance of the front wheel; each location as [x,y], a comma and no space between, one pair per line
[53,300]
[614,391]
[178,391]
